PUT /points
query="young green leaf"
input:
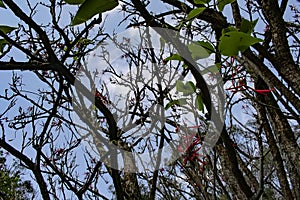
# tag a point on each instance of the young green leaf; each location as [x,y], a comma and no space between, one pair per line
[92,7]
[7,29]
[207,46]
[169,105]
[174,57]
[180,86]
[195,12]
[187,89]
[223,3]
[199,103]
[233,42]
[191,86]
[178,102]
[201,49]
[248,26]
[74,2]
[201,1]
[211,69]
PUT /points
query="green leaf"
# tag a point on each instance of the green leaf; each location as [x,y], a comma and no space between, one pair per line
[174,57]
[3,42]
[199,103]
[191,86]
[201,1]
[185,66]
[233,42]
[201,49]
[228,29]
[180,86]
[187,89]
[7,29]
[207,46]
[2,4]
[92,7]
[74,2]
[179,102]
[212,69]
[195,12]
[169,105]
[248,26]
[223,3]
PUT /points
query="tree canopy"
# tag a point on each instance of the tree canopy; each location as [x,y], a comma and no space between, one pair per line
[140,99]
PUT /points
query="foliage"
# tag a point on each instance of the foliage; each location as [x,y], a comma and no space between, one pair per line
[11,184]
[195,13]
[222,3]
[78,90]
[90,8]
[234,41]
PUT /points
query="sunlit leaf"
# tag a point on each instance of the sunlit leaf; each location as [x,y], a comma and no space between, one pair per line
[74,2]
[91,8]
[228,29]
[223,3]
[248,26]
[194,13]
[233,42]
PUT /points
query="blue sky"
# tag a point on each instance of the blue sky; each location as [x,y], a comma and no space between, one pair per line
[6,18]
